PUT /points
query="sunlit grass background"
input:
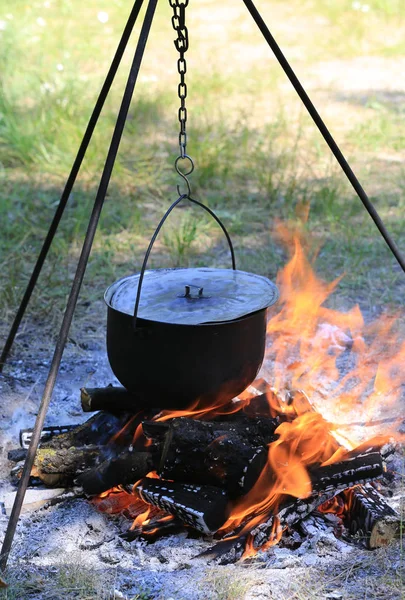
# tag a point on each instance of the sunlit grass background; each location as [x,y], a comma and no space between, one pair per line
[257,153]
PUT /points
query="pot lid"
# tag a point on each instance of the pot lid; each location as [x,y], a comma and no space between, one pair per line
[192,296]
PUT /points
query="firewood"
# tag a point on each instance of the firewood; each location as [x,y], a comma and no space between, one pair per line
[203,507]
[293,510]
[128,467]
[52,480]
[97,430]
[368,515]
[357,468]
[111,399]
[328,482]
[47,433]
[67,461]
[230,455]
[258,431]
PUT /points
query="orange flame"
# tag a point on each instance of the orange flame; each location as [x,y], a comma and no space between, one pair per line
[306,341]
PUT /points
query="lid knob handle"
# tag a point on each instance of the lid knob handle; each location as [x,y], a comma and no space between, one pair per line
[188,294]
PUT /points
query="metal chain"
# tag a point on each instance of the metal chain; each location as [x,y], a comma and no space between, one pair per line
[181,45]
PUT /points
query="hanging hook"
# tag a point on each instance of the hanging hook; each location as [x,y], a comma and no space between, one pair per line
[185,174]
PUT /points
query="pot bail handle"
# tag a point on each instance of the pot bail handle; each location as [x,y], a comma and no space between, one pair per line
[156,233]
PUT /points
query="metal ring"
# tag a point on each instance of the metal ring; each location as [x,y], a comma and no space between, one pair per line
[185,173]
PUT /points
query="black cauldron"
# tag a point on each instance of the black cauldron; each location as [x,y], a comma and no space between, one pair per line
[198,335]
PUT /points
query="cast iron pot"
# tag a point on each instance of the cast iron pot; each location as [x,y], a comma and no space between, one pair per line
[192,335]
[171,366]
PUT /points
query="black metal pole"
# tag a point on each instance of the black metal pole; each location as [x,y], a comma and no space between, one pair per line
[324,131]
[77,282]
[71,179]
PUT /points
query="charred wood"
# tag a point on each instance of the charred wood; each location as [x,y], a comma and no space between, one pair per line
[17,454]
[230,455]
[369,516]
[155,430]
[357,468]
[128,467]
[328,483]
[97,430]
[293,510]
[111,399]
[155,529]
[191,432]
[204,508]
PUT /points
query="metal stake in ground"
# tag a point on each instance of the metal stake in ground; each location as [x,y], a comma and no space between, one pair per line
[77,282]
[71,180]
[324,131]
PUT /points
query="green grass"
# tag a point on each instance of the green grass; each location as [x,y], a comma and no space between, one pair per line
[65,581]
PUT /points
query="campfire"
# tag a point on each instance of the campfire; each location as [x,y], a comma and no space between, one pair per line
[249,472]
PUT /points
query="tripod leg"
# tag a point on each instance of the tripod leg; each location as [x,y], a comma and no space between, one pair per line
[77,282]
[71,180]
[324,131]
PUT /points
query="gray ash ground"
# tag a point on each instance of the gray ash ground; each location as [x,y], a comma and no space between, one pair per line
[73,535]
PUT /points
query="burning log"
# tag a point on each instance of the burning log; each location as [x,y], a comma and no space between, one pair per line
[367,514]
[268,531]
[128,467]
[191,432]
[111,399]
[357,468]
[203,507]
[230,455]
[328,481]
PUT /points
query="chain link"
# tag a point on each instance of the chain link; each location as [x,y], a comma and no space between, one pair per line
[181,45]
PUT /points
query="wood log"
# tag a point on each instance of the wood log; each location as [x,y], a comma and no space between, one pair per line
[357,468]
[67,461]
[259,431]
[328,481]
[97,430]
[47,433]
[292,510]
[128,467]
[226,454]
[204,508]
[34,480]
[111,399]
[368,515]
